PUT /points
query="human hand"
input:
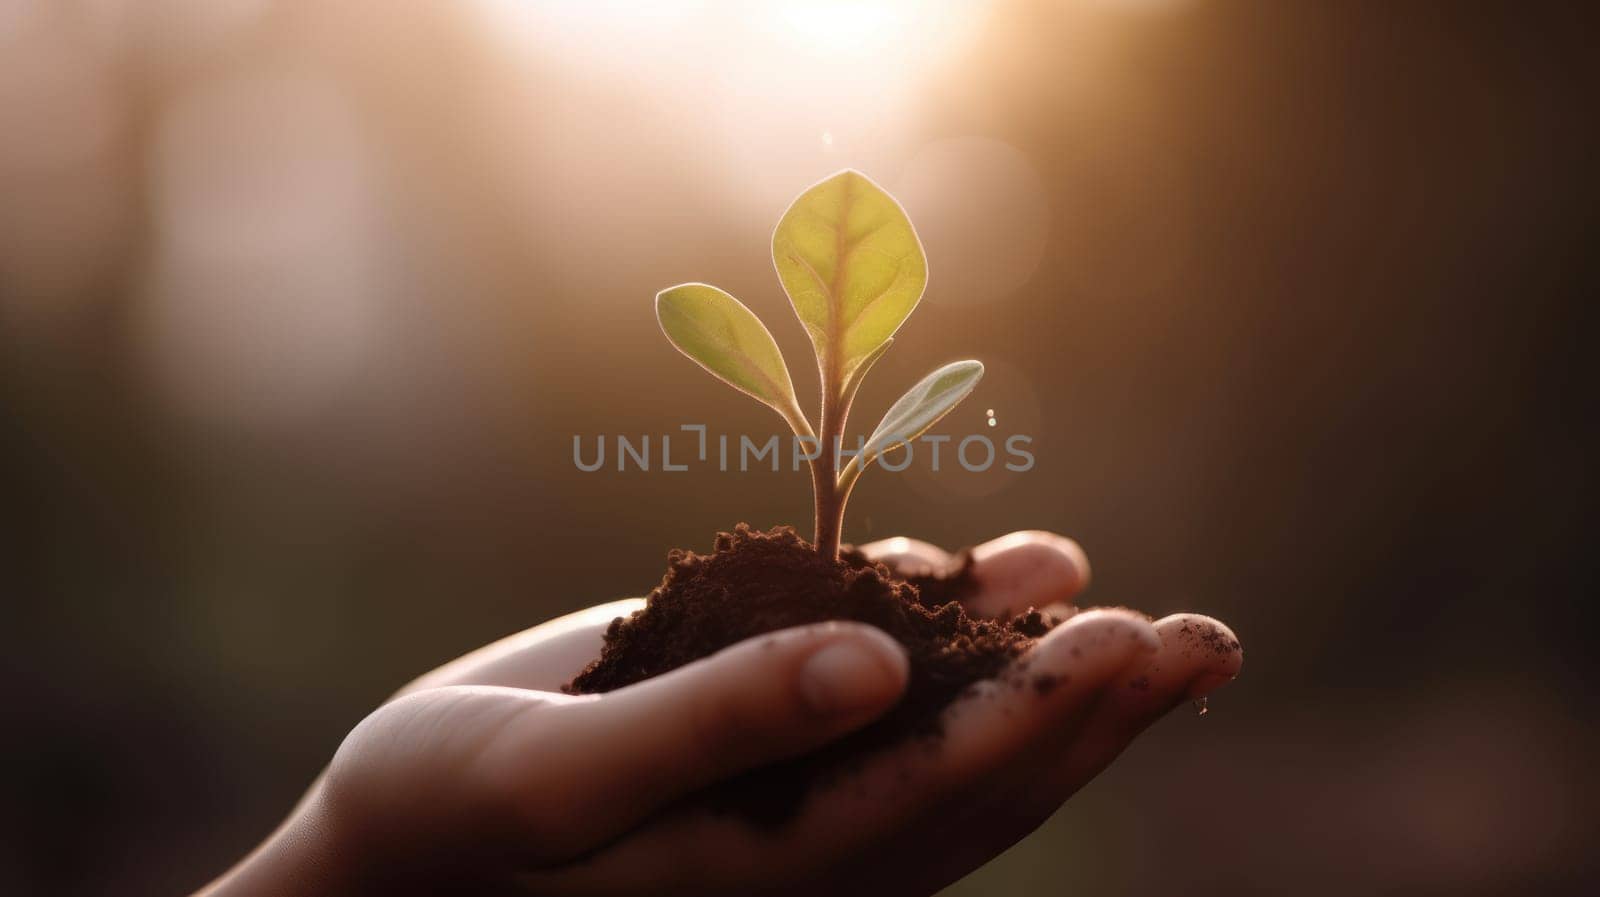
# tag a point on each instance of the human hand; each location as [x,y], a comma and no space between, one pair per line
[481,777]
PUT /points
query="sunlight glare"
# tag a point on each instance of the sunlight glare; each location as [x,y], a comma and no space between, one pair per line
[758,81]
[839,25]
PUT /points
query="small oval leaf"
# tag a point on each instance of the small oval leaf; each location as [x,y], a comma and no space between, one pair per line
[852,265]
[922,406]
[723,336]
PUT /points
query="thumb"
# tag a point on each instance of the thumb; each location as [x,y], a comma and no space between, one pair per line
[618,757]
[548,777]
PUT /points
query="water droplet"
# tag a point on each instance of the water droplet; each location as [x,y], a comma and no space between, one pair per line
[827,138]
[1200,708]
[991,421]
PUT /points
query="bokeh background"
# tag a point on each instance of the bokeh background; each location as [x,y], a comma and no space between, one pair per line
[302,302]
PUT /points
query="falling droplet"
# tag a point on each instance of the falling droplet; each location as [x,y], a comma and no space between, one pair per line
[1200,708]
[827,138]
[990,412]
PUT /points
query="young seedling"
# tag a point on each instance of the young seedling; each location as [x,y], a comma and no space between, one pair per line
[854,269]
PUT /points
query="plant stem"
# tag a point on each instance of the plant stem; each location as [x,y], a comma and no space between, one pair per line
[838,394]
[824,470]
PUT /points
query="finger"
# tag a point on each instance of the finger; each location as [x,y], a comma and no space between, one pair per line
[542,658]
[606,762]
[1198,655]
[1026,569]
[901,789]
[1070,672]
[1063,675]
[908,557]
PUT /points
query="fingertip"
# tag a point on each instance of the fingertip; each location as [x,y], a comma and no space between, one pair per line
[1106,639]
[1031,568]
[908,557]
[1198,655]
[1067,550]
[859,670]
[1105,624]
[808,682]
[1204,643]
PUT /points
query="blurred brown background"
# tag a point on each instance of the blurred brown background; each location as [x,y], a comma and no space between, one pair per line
[301,304]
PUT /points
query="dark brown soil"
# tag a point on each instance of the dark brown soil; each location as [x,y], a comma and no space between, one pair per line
[754,583]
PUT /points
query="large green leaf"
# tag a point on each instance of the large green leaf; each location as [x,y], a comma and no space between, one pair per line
[921,407]
[727,339]
[851,264]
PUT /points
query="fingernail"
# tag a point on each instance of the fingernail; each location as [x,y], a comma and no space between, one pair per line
[854,674]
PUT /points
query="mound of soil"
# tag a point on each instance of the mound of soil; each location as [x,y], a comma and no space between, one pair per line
[756,582]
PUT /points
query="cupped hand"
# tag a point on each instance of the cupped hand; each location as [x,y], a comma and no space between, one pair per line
[481,777]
